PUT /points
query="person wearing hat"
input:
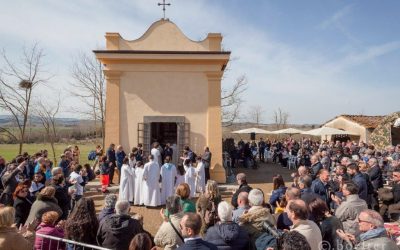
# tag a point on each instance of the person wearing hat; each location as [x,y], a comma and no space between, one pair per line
[109,207]
[64,164]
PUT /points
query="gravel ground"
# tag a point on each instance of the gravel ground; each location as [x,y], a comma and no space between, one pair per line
[258,178]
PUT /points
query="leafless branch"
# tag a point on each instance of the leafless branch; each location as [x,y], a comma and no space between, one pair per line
[17,84]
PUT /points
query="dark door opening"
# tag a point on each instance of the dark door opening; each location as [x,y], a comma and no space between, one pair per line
[395,132]
[164,132]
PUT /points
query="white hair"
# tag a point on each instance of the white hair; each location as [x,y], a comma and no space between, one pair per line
[56,170]
[122,207]
[224,211]
[256,197]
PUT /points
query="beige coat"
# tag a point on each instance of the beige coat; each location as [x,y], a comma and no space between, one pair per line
[10,239]
[348,212]
[310,231]
[166,236]
[253,221]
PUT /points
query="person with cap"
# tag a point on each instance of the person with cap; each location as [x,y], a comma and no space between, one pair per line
[109,207]
[64,164]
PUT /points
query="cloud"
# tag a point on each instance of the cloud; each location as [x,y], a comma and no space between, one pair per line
[336,19]
[302,81]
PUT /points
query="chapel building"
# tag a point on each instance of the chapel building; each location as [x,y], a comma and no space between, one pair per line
[165,87]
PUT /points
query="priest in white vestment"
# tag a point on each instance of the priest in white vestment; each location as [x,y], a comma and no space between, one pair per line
[132,160]
[156,153]
[151,187]
[200,176]
[190,177]
[138,184]
[127,183]
[168,176]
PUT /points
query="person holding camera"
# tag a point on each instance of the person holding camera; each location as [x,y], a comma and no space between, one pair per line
[10,182]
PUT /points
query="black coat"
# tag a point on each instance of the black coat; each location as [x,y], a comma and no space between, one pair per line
[228,236]
[396,193]
[360,181]
[197,244]
[22,207]
[63,200]
[243,188]
[375,175]
[320,189]
[314,169]
[116,231]
[307,195]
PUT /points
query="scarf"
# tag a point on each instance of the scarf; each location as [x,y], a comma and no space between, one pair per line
[374,233]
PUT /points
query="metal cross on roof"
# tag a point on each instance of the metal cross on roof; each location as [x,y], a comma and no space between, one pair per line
[163,5]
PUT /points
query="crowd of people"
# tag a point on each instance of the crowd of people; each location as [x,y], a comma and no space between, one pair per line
[38,197]
[337,200]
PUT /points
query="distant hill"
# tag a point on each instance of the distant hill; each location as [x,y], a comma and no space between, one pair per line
[7,120]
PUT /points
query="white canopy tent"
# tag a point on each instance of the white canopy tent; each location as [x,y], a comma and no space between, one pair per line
[288,131]
[325,131]
[252,130]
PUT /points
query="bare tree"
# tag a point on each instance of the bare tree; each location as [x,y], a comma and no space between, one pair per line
[231,99]
[256,114]
[280,118]
[47,115]
[89,86]
[17,83]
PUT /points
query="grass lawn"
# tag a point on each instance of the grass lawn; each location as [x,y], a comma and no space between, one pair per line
[9,151]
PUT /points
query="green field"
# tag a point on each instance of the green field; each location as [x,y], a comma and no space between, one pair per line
[9,151]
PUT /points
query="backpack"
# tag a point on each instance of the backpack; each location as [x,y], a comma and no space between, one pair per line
[92,155]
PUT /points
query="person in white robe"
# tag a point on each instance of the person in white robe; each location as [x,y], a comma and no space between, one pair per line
[155,152]
[168,175]
[174,154]
[190,177]
[132,160]
[151,187]
[180,175]
[200,176]
[127,183]
[138,184]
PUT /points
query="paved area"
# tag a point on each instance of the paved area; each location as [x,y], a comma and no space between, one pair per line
[258,178]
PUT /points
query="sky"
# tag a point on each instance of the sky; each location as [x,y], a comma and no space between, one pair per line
[313,59]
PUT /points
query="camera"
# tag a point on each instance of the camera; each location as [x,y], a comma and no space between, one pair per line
[277,234]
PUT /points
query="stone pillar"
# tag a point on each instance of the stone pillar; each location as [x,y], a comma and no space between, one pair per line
[214,130]
[112,108]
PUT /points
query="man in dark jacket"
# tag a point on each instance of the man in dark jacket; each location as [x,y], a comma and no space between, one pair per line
[320,186]
[111,159]
[375,174]
[243,187]
[316,166]
[116,231]
[307,195]
[395,207]
[227,234]
[359,180]
[190,227]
